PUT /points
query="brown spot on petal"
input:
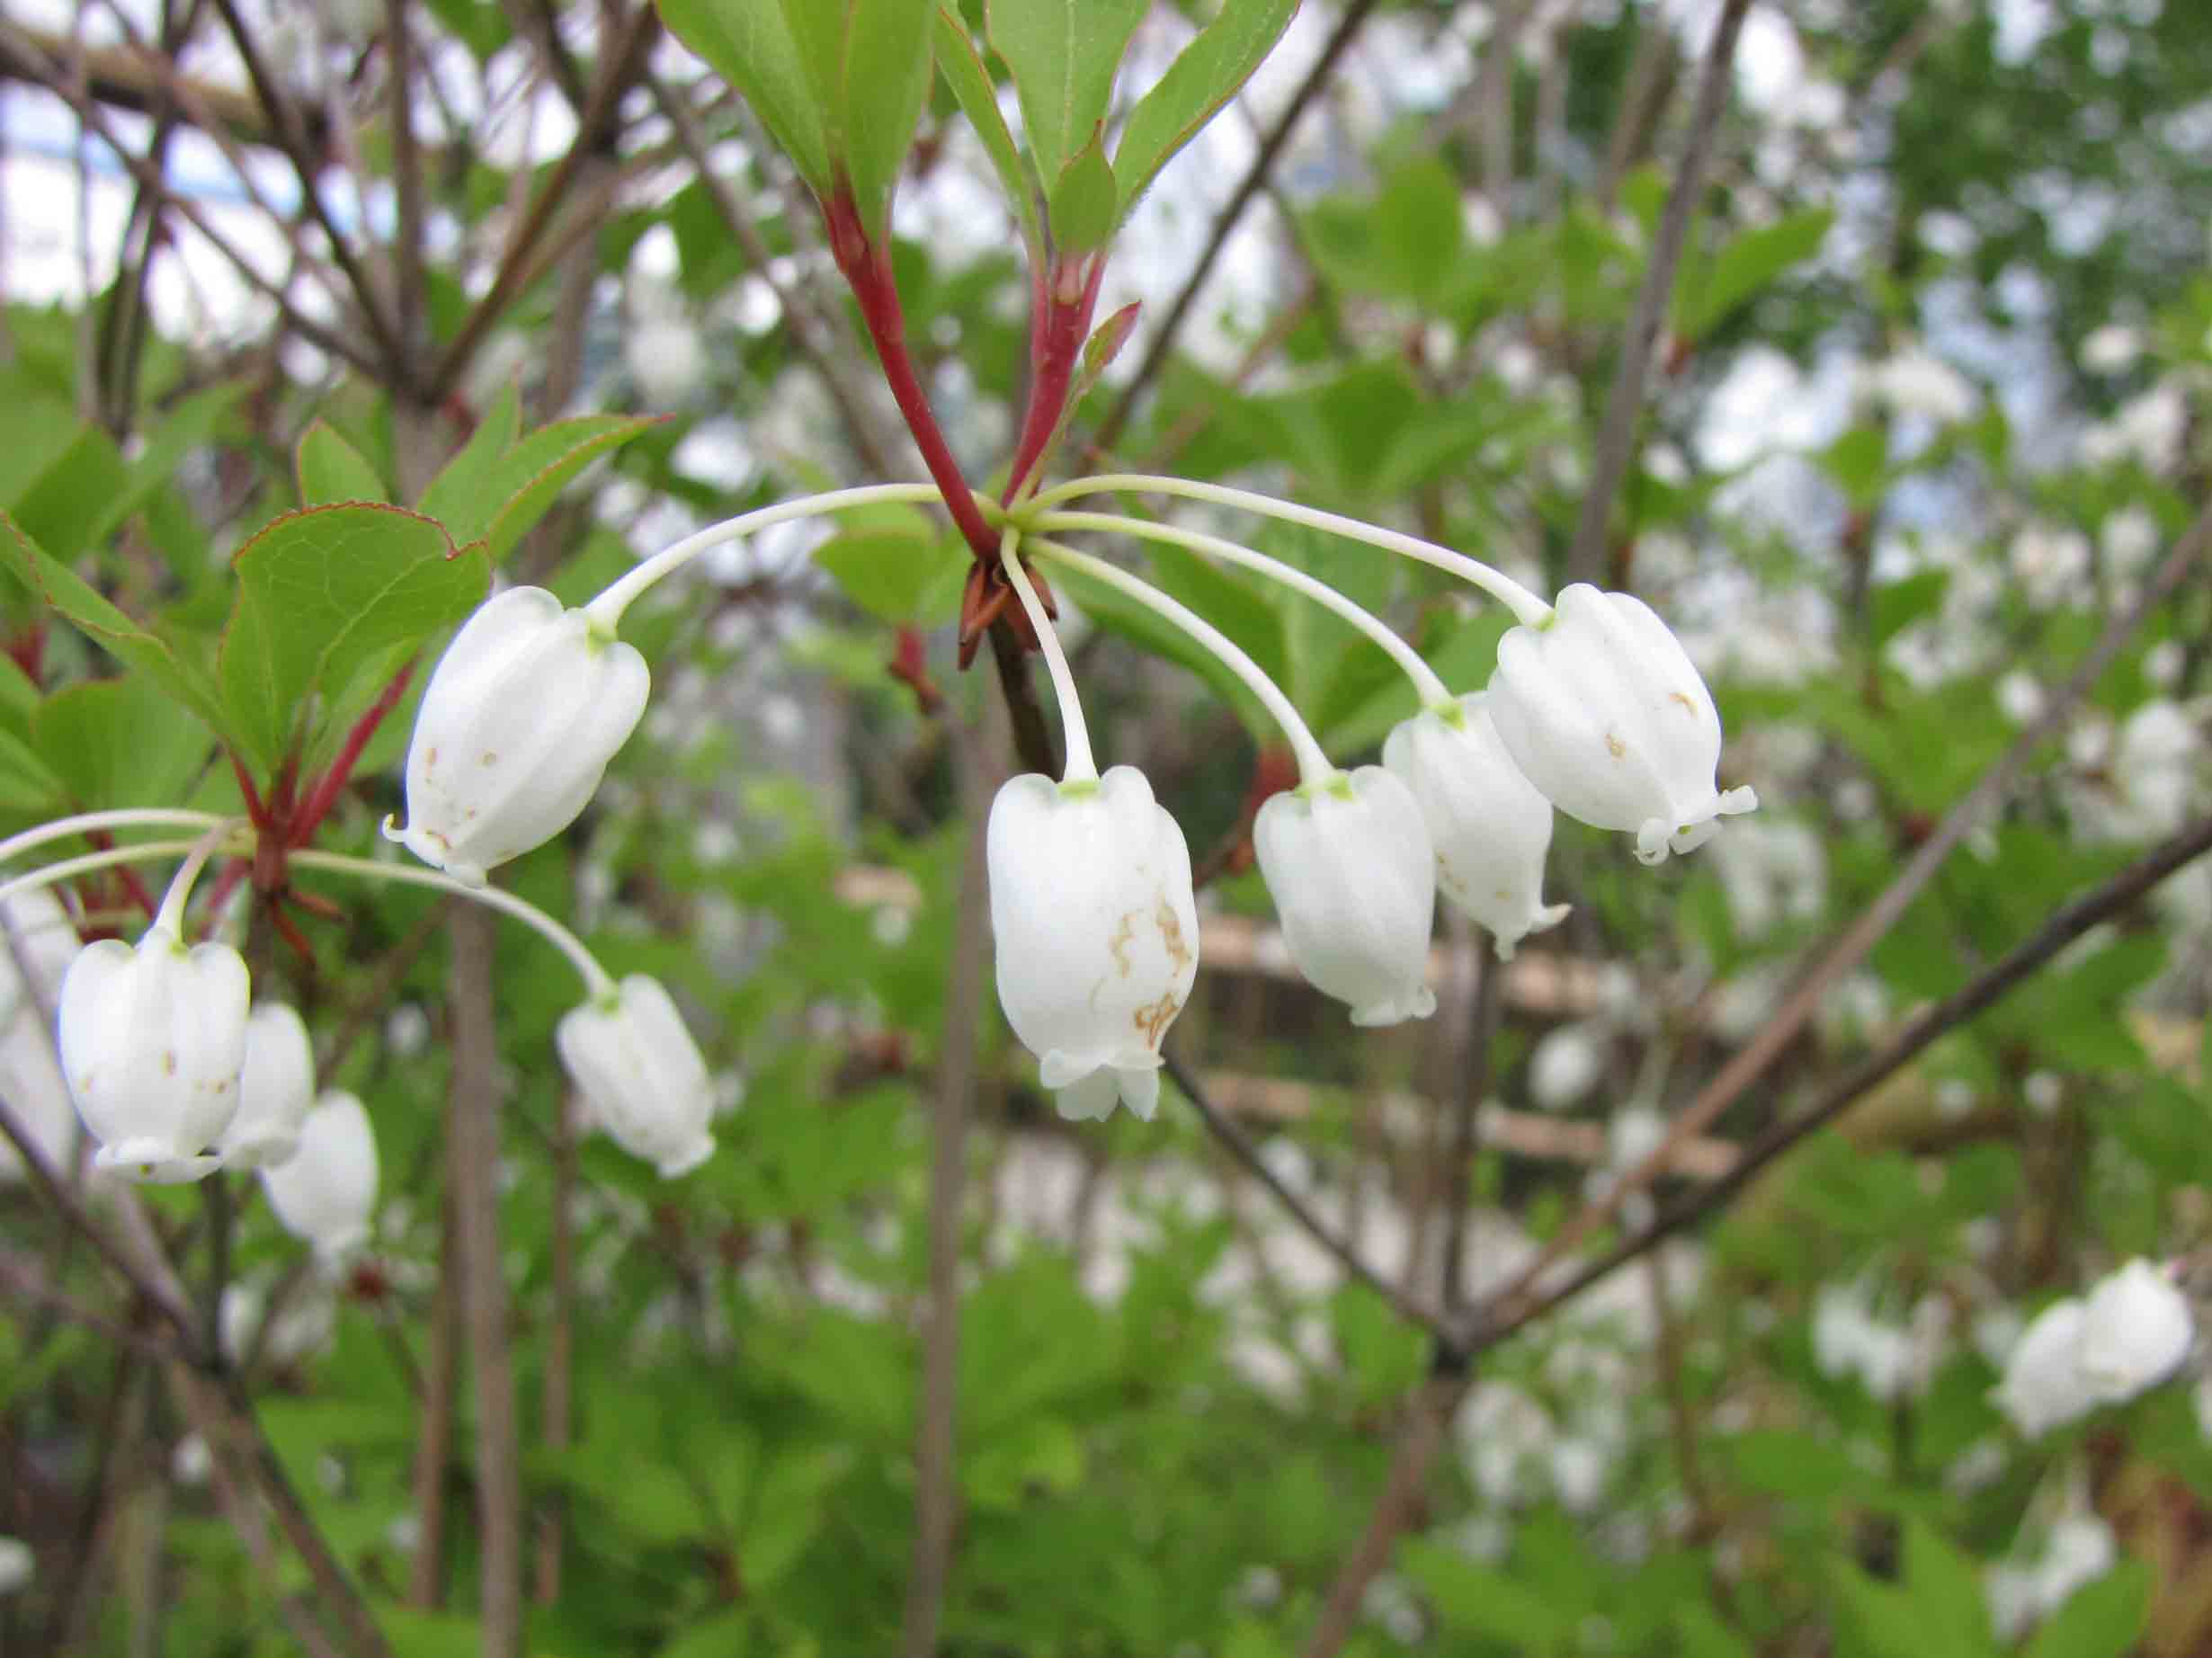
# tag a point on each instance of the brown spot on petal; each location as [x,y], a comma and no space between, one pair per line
[1616,747]
[1153,1022]
[1171,935]
[168,1063]
[1688,707]
[1124,936]
[490,758]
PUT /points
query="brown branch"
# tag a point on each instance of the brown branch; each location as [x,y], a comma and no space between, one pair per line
[433,1437]
[120,78]
[1405,1304]
[1751,1063]
[1225,223]
[472,1174]
[1428,1410]
[936,1477]
[407,176]
[1616,436]
[2068,922]
[1481,1029]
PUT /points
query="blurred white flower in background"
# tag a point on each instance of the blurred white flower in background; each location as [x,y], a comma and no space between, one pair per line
[2131,1333]
[1566,1064]
[2050,563]
[15,1564]
[2079,1550]
[1914,381]
[2111,349]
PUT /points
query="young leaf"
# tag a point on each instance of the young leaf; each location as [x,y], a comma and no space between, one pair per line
[91,614]
[1084,201]
[332,469]
[1063,54]
[751,45]
[495,495]
[971,87]
[883,82]
[322,594]
[1747,264]
[1203,77]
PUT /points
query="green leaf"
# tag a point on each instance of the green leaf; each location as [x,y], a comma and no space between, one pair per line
[1084,201]
[1897,605]
[2101,1620]
[324,594]
[1701,1635]
[1063,54]
[1420,229]
[332,469]
[751,45]
[883,82]
[91,614]
[1858,461]
[1204,77]
[964,72]
[1947,1590]
[494,491]
[1747,264]
[66,507]
[121,742]
[896,575]
[1472,1600]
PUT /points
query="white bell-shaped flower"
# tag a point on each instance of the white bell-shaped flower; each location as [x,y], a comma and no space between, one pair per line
[1097,932]
[324,1192]
[276,1086]
[1353,877]
[641,1075]
[527,706]
[2135,1330]
[152,1040]
[1602,710]
[2044,1387]
[1491,827]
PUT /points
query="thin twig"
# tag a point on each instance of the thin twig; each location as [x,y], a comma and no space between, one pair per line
[1750,1063]
[936,1477]
[1616,436]
[472,1172]
[1482,1028]
[2068,922]
[1225,223]
[1406,1305]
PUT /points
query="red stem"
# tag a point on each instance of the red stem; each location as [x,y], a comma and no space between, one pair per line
[867,269]
[1065,300]
[256,812]
[134,888]
[324,794]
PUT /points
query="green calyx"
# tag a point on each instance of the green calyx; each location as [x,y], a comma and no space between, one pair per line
[1079,787]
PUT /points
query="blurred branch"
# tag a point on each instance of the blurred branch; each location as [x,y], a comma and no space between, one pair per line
[1617,437]
[1751,1061]
[433,1434]
[1427,1411]
[936,1477]
[2068,922]
[555,1397]
[472,1172]
[1407,1307]
[1163,341]
[124,78]
[1481,1032]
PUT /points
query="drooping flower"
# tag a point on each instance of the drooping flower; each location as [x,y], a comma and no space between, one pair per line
[2043,1386]
[526,707]
[1097,932]
[152,1040]
[1491,827]
[2135,1330]
[276,1086]
[1353,876]
[1601,708]
[324,1192]
[641,1075]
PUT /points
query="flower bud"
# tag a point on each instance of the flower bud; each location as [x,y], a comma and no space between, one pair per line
[1353,877]
[641,1075]
[324,1192]
[1602,710]
[1490,825]
[1097,933]
[276,1086]
[526,707]
[2135,1330]
[152,1040]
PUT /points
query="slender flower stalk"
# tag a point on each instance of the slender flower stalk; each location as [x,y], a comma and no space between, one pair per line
[69,868]
[1076,735]
[132,817]
[1526,607]
[1315,769]
[596,979]
[606,611]
[1434,693]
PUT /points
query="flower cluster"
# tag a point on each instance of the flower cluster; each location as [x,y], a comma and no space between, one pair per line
[1594,709]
